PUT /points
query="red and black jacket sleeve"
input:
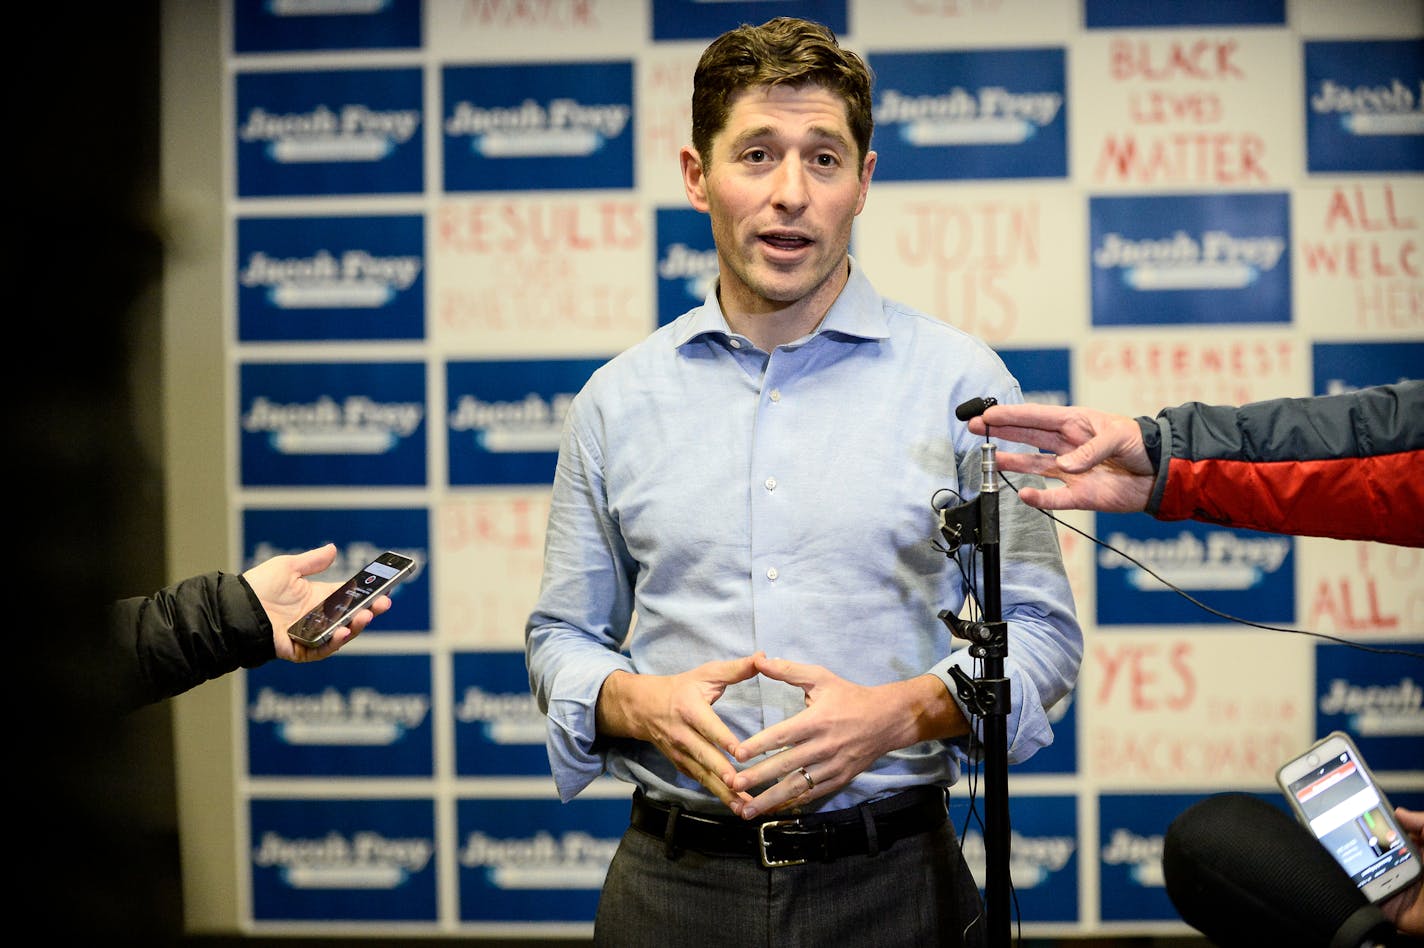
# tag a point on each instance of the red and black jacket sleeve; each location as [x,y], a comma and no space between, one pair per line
[1348,466]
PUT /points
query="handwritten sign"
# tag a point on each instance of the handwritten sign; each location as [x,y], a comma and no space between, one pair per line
[490,548]
[1360,253]
[1187,711]
[1178,108]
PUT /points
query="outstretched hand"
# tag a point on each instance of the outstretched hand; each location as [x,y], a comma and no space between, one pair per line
[286,594]
[1099,456]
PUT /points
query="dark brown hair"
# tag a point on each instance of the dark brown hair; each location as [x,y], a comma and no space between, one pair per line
[783,51]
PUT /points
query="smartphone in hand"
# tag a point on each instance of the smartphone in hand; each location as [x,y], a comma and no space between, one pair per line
[1333,793]
[376,578]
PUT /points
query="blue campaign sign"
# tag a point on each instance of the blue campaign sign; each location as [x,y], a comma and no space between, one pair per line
[505,418]
[318,278]
[499,730]
[1120,14]
[262,26]
[360,534]
[338,859]
[697,19]
[538,126]
[306,424]
[1363,106]
[1043,853]
[329,132]
[1345,366]
[1239,572]
[353,715]
[523,860]
[1045,375]
[970,114]
[1179,259]
[686,264]
[1377,700]
[1131,830]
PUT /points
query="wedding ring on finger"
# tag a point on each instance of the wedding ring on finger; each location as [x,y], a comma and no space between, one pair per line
[810,784]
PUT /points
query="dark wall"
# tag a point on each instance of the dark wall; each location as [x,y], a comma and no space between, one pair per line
[92,793]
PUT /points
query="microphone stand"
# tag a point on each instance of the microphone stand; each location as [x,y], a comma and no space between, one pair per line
[977,522]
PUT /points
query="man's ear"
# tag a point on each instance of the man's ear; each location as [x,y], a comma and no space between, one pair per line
[694,180]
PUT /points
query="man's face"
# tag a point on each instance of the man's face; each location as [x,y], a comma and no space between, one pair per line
[782,190]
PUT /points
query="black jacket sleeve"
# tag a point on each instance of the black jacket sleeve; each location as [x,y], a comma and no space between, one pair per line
[183,635]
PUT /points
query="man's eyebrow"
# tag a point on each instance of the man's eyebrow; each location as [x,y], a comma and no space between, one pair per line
[818,133]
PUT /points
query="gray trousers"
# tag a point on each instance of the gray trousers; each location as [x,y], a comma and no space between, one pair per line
[917,893]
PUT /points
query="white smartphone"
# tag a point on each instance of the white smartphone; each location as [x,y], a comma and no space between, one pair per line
[374,579]
[1334,794]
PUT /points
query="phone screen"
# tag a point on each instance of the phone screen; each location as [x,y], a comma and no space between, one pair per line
[1347,814]
[349,597]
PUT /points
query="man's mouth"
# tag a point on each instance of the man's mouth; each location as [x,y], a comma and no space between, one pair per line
[786,241]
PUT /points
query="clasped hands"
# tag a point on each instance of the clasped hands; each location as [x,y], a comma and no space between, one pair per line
[844,728]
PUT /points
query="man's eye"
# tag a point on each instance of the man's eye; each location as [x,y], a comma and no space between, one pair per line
[827,160]
[757,154]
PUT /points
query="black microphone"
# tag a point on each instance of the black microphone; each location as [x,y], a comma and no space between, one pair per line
[974,407]
[1242,872]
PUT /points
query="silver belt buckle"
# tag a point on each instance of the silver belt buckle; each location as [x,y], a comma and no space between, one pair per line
[766,860]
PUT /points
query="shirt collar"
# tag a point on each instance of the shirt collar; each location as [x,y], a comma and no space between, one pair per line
[858,313]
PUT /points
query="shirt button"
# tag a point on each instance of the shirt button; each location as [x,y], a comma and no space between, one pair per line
[771,573]
[734,343]
[776,395]
[771,483]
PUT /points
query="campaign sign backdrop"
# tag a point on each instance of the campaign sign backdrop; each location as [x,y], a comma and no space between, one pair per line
[360,534]
[464,207]
[343,859]
[1045,375]
[1164,260]
[686,264]
[1346,366]
[332,423]
[1043,853]
[1131,830]
[696,19]
[973,114]
[264,26]
[538,127]
[1376,699]
[505,418]
[366,715]
[1239,572]
[329,132]
[1365,106]
[1118,14]
[522,858]
[320,278]
[499,729]
[1060,757]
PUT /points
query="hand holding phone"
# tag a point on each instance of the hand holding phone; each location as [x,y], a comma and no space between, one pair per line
[376,578]
[1333,793]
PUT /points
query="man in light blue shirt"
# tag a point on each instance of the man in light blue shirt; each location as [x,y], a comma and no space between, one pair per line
[739,609]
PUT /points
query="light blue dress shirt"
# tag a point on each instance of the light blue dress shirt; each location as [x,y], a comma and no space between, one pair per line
[712,500]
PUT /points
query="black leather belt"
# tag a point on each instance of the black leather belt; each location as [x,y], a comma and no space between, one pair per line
[862,830]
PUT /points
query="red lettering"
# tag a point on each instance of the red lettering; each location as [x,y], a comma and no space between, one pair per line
[1351,209]
[1201,59]
[1186,158]
[1336,604]
[1361,258]
[1148,679]
[1156,107]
